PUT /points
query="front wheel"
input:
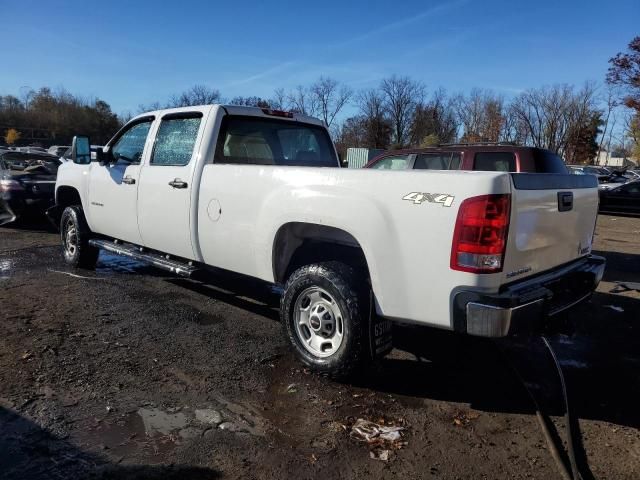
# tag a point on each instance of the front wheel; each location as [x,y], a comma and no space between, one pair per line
[75,234]
[323,312]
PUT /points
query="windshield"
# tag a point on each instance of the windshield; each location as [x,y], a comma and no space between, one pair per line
[394,162]
[266,141]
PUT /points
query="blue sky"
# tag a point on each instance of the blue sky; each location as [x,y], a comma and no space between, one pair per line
[137,52]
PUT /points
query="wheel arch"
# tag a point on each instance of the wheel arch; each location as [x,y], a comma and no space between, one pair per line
[67,196]
[299,243]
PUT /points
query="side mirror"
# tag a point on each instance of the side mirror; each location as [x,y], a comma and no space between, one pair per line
[100,156]
[81,150]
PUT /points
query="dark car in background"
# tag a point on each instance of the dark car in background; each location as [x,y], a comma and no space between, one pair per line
[472,156]
[27,181]
[621,199]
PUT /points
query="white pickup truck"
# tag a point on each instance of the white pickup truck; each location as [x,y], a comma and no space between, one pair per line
[260,192]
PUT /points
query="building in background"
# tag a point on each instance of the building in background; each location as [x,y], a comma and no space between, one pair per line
[359,157]
[612,159]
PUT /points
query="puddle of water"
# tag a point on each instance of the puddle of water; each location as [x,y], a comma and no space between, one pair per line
[5,269]
[245,417]
[5,266]
[112,263]
[276,290]
[157,421]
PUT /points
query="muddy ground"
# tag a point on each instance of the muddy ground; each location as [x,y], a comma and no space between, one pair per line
[127,372]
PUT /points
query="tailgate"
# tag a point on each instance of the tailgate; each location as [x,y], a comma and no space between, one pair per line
[552,222]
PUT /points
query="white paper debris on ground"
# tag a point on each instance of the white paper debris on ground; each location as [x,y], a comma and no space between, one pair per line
[382,455]
[615,307]
[370,432]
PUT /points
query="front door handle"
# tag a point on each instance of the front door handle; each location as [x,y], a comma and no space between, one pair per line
[128,180]
[177,183]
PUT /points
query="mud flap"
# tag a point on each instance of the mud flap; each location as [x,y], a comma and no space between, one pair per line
[53,214]
[380,332]
[6,214]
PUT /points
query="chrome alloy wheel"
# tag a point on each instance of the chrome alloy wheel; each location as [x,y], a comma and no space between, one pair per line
[70,237]
[318,322]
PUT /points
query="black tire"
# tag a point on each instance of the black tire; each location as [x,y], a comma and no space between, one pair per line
[75,235]
[348,289]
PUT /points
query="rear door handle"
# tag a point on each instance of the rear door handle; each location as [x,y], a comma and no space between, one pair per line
[128,180]
[177,183]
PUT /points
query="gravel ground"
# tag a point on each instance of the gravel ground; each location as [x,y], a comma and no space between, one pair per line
[125,372]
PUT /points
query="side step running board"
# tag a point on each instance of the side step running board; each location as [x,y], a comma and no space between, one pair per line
[181,268]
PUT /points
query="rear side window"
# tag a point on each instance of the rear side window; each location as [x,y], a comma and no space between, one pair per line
[548,162]
[396,162]
[495,161]
[175,141]
[437,161]
[265,141]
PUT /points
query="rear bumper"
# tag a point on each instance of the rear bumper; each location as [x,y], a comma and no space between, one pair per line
[525,307]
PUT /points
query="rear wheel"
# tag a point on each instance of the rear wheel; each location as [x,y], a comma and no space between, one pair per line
[323,312]
[75,235]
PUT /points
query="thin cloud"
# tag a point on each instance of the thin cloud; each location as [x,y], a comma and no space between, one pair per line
[258,76]
[404,22]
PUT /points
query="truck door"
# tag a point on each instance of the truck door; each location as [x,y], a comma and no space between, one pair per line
[164,196]
[113,187]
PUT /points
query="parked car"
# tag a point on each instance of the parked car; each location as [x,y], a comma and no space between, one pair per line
[27,181]
[260,192]
[31,150]
[607,179]
[600,172]
[633,175]
[621,199]
[615,179]
[58,150]
[485,157]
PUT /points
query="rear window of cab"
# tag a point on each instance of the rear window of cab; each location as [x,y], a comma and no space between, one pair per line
[495,161]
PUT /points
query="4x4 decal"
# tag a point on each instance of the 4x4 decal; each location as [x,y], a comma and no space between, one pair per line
[417,198]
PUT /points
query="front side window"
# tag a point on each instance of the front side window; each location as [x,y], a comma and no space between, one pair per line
[495,162]
[265,141]
[175,141]
[130,145]
[396,162]
[437,161]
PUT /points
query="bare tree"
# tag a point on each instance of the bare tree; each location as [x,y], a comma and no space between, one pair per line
[196,95]
[482,115]
[611,103]
[279,99]
[401,95]
[550,117]
[330,98]
[434,121]
[302,101]
[250,102]
[373,119]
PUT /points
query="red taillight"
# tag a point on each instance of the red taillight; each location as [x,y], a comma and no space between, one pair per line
[480,235]
[277,113]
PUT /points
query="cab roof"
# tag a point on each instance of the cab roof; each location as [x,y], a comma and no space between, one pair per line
[236,110]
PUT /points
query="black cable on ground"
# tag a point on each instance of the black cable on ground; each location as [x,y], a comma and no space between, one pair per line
[567,414]
[544,421]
